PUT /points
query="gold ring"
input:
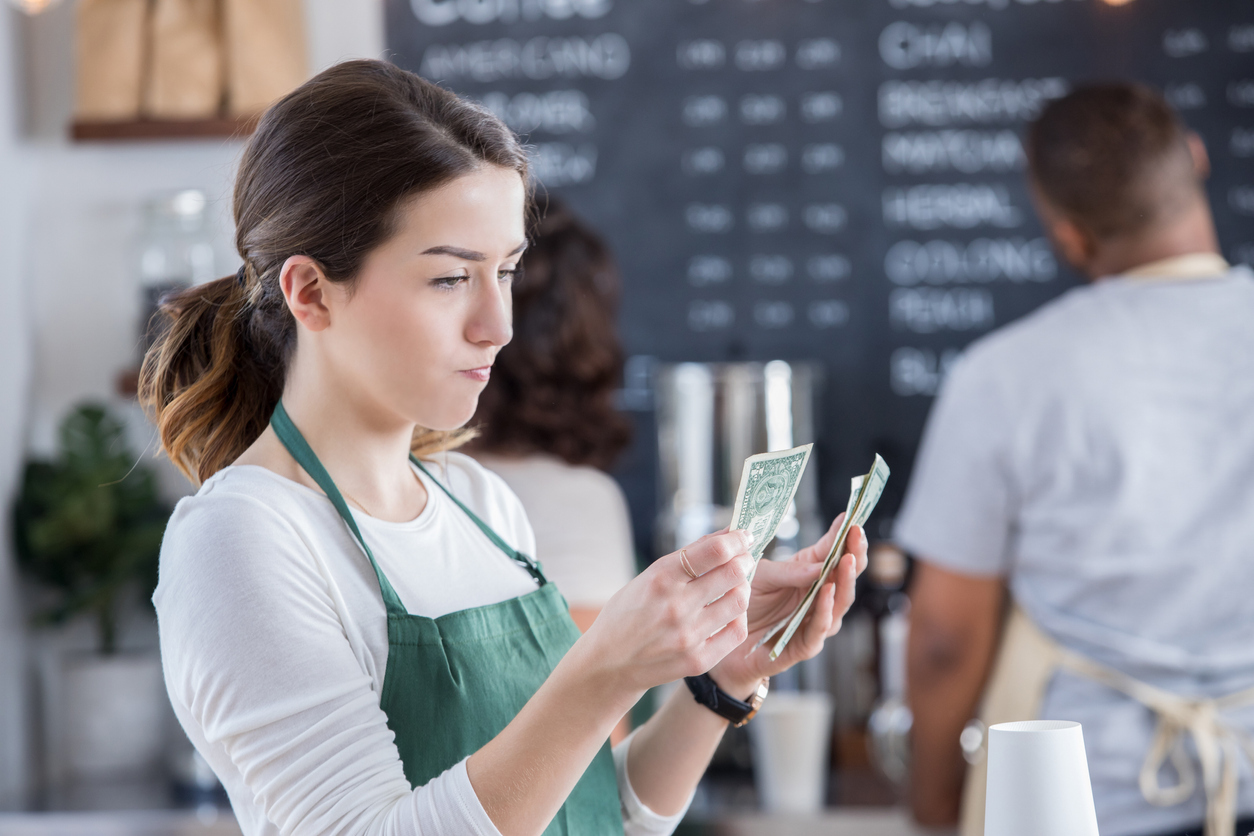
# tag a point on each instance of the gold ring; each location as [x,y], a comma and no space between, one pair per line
[683,560]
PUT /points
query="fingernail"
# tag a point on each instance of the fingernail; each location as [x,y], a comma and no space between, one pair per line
[748,536]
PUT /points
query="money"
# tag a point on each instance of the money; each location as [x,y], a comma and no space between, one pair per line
[768,484]
[864,493]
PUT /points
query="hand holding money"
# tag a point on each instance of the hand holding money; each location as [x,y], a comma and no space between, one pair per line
[779,587]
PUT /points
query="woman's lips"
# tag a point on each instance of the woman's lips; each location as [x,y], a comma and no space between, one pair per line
[480,374]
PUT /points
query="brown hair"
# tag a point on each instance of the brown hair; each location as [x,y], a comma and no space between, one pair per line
[552,387]
[1113,157]
[323,176]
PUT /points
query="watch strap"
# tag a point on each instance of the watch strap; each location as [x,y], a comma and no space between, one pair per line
[706,691]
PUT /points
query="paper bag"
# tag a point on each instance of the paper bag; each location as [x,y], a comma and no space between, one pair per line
[109,48]
[185,79]
[265,44]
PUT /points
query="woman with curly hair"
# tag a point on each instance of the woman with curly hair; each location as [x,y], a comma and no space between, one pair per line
[547,422]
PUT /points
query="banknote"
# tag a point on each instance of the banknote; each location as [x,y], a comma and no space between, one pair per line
[864,493]
[768,484]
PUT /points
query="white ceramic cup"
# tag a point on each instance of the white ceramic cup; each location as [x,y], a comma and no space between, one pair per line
[1038,781]
[791,737]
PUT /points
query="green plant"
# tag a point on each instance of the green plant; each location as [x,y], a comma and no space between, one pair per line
[89,524]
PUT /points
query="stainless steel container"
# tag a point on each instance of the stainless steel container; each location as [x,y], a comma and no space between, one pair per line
[711,417]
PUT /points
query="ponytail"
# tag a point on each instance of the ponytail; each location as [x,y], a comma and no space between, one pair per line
[208,381]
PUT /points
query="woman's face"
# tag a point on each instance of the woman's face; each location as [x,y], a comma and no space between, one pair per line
[431,307]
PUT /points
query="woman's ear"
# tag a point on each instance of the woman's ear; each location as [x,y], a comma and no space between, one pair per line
[305,288]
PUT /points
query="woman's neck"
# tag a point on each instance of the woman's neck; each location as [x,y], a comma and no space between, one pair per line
[362,445]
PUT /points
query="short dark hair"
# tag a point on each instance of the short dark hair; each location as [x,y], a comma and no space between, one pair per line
[1112,157]
[552,387]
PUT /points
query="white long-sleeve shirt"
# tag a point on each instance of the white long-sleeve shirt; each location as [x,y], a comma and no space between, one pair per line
[274,642]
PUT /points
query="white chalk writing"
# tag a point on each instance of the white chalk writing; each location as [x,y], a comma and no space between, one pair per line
[703,161]
[710,315]
[706,270]
[919,371]
[904,46]
[928,310]
[555,112]
[828,313]
[444,12]
[561,164]
[820,107]
[824,218]
[773,314]
[765,158]
[961,206]
[605,56]
[821,157]
[945,103]
[828,268]
[766,217]
[703,111]
[708,217]
[703,54]
[966,151]
[770,269]
[1182,43]
[982,260]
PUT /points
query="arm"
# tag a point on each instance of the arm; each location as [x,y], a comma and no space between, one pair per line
[955,622]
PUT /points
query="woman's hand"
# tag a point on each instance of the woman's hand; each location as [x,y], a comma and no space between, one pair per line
[778,587]
[665,624]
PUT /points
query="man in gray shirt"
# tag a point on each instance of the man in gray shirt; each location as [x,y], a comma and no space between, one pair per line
[1089,470]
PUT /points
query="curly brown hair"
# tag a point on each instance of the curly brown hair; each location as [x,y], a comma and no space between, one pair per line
[552,387]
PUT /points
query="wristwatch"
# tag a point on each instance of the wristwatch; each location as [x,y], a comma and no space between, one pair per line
[705,691]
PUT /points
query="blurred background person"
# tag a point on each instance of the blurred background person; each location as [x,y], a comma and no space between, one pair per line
[547,422]
[1084,494]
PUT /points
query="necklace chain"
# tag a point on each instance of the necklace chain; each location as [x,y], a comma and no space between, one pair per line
[359,504]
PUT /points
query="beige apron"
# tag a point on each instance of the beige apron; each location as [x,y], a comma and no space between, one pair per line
[1026,663]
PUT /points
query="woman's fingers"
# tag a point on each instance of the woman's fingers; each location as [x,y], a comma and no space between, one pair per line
[781,574]
[733,603]
[856,544]
[714,550]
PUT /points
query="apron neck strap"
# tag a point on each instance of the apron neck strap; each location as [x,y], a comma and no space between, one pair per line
[528,563]
[305,457]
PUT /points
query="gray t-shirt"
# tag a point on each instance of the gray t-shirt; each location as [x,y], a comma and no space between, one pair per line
[1099,454]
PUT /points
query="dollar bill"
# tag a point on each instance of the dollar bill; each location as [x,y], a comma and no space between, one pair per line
[864,493]
[768,484]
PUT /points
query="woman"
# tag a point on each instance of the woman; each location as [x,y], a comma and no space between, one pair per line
[354,637]
[546,421]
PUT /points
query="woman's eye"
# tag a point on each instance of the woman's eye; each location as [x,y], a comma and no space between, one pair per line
[508,274]
[449,282]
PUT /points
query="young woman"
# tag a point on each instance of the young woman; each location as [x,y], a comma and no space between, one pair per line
[353,636]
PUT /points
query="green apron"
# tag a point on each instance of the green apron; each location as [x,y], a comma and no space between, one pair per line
[454,682]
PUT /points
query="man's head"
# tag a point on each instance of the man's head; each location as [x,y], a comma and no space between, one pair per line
[1118,179]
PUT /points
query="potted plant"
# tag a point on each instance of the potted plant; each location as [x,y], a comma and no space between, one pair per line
[88,527]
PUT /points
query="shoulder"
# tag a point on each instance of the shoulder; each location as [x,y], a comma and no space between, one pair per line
[245,527]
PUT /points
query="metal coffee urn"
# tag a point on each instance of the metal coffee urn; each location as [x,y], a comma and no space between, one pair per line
[711,417]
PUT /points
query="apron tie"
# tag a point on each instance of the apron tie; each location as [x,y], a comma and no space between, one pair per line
[1218,744]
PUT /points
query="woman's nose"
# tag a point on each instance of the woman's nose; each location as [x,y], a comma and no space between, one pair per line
[491,321]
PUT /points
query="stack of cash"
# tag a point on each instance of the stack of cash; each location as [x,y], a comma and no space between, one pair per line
[863,495]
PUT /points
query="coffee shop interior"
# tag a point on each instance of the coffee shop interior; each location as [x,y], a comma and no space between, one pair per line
[1000,249]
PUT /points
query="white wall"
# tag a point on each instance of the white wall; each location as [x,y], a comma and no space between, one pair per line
[69,214]
[14,381]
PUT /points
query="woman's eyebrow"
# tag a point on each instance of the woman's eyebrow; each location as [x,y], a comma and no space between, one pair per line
[468,255]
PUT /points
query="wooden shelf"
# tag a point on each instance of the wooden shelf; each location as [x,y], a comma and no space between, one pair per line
[154,129]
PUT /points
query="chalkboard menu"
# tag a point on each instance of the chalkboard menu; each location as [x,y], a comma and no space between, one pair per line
[828,180]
